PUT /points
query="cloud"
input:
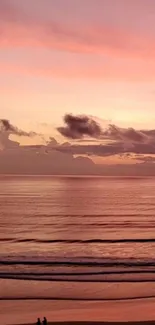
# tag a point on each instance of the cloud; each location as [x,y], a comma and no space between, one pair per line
[34,160]
[107,150]
[112,47]
[7,129]
[79,126]
[131,135]
[109,141]
[90,138]
[93,150]
[74,157]
[41,160]
[144,159]
[20,26]
[6,126]
[37,159]
[5,142]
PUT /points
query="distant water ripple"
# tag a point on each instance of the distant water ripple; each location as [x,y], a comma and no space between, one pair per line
[97,232]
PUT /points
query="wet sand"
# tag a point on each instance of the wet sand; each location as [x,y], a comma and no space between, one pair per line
[27,312]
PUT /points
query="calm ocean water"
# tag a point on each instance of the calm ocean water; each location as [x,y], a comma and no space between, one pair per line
[77,238]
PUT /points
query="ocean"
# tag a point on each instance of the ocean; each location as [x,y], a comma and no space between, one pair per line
[77,238]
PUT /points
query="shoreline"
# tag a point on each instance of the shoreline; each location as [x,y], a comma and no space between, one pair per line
[97,323]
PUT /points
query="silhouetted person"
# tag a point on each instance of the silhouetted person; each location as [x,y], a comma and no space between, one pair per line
[38,321]
[44,321]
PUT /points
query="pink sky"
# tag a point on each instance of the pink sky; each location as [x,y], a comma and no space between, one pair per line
[93,57]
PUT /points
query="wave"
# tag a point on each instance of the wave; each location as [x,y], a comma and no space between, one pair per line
[83,261]
[114,225]
[84,269]
[76,298]
[89,241]
[111,272]
[85,280]
[81,241]
[106,215]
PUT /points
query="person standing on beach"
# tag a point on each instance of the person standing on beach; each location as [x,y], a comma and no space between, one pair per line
[44,321]
[38,321]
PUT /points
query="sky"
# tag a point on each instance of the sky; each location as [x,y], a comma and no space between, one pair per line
[92,58]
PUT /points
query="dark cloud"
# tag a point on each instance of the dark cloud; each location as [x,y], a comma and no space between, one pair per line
[79,127]
[110,141]
[6,126]
[114,132]
[76,127]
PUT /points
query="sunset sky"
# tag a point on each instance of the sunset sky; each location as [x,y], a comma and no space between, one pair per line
[83,57]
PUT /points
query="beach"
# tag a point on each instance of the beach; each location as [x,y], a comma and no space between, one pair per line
[27,312]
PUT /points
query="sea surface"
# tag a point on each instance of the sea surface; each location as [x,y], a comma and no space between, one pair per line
[82,238]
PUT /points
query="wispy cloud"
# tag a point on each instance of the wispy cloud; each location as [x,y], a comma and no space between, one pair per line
[107,150]
[74,68]
[144,159]
[20,27]
[6,126]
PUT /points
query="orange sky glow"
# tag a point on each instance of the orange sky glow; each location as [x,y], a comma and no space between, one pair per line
[82,57]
